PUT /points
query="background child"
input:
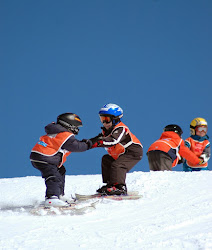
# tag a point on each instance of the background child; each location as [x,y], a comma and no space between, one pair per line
[166,152]
[199,144]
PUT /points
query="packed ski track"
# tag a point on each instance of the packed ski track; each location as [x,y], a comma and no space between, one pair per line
[174,213]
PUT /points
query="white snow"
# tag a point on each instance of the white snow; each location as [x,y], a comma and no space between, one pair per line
[174,213]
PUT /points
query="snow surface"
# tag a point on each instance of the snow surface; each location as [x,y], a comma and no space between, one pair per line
[175,213]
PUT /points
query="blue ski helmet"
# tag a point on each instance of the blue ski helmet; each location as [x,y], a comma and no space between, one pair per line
[112,110]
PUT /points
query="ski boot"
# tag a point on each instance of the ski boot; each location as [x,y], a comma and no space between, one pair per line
[54,201]
[118,189]
[103,189]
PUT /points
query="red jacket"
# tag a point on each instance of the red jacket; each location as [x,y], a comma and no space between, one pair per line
[172,144]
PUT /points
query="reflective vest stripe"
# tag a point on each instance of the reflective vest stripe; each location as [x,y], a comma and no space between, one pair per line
[118,149]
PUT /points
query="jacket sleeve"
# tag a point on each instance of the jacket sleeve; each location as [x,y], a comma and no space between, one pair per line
[188,155]
[74,145]
[117,136]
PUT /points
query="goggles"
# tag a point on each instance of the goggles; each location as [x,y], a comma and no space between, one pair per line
[200,129]
[105,119]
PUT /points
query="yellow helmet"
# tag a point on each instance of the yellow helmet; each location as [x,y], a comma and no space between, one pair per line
[197,122]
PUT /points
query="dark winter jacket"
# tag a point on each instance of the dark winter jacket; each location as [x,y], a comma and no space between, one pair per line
[71,144]
[119,140]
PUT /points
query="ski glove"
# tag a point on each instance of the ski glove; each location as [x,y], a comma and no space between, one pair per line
[88,142]
[97,138]
[62,170]
[204,158]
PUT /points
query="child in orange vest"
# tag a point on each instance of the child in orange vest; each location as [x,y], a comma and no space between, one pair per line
[124,150]
[199,144]
[50,152]
[166,152]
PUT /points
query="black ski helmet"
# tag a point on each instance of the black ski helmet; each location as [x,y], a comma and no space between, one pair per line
[175,128]
[70,121]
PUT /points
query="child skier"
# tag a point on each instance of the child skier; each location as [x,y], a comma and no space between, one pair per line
[199,144]
[124,150]
[166,153]
[49,154]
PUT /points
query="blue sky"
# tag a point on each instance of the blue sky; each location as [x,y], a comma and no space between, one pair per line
[151,57]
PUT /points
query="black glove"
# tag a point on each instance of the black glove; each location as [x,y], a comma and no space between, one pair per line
[181,161]
[96,138]
[88,142]
[62,170]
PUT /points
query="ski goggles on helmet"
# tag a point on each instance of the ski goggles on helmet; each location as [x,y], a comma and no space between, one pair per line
[105,119]
[200,129]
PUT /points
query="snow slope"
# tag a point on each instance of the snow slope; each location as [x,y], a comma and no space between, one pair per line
[175,213]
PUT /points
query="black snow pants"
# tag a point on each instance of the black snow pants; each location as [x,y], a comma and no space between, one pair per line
[159,161]
[114,171]
[54,178]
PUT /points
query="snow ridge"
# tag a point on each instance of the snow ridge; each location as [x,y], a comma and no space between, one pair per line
[175,213]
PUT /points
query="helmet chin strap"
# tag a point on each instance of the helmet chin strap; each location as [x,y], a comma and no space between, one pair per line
[115,121]
[71,128]
[74,130]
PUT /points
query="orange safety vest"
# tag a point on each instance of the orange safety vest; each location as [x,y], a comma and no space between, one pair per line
[172,140]
[119,149]
[165,144]
[50,145]
[197,147]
